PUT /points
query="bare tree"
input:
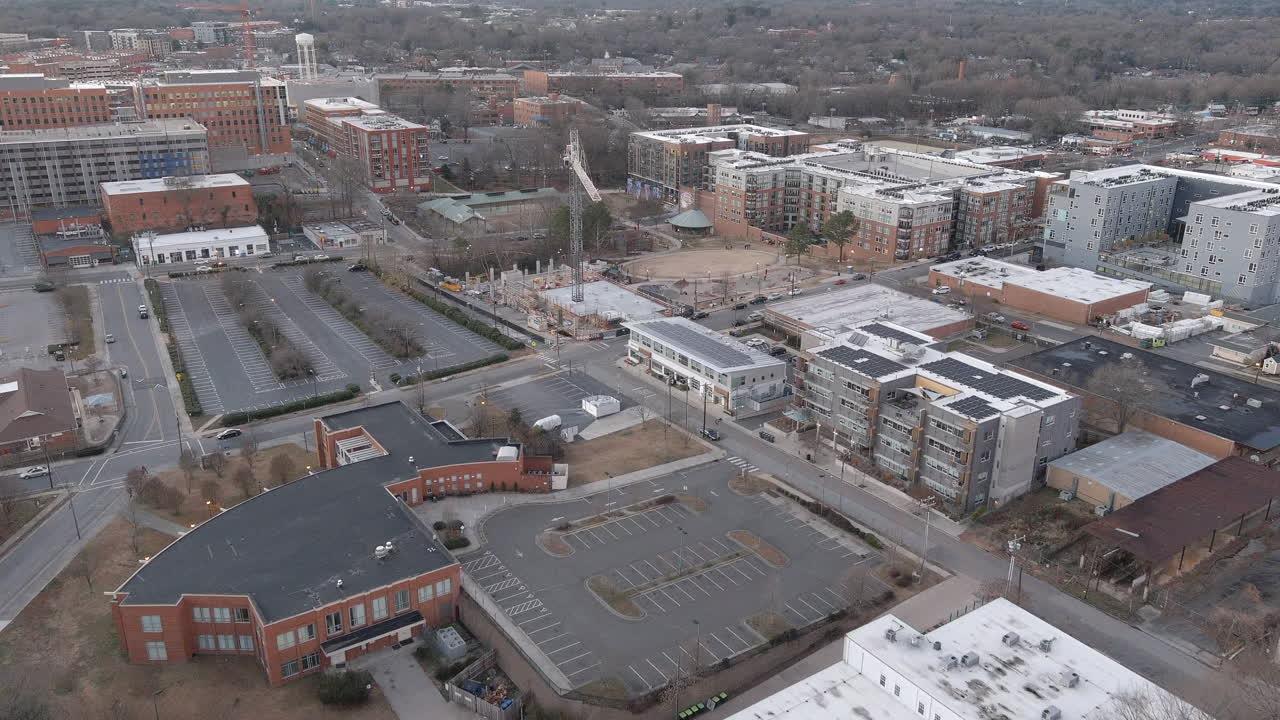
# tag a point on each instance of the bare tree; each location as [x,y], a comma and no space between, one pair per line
[217,462]
[282,469]
[134,483]
[1123,388]
[1150,703]
[188,464]
[244,480]
[249,448]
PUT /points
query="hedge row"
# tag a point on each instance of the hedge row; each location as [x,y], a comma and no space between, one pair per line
[459,316]
[295,263]
[244,416]
[189,398]
[446,372]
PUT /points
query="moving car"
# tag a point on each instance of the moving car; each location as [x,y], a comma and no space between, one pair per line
[142,312]
[778,351]
[34,471]
[941,290]
[758,300]
[775,296]
[996,317]
[795,292]
[320,257]
[755,316]
[43,286]
[1019,325]
[701,314]
[710,434]
[740,306]
[841,281]
[110,338]
[357,267]
[228,434]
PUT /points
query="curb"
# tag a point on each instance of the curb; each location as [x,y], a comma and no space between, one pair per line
[30,526]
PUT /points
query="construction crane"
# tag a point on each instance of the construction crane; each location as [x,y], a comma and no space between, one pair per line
[576,161]
[246,19]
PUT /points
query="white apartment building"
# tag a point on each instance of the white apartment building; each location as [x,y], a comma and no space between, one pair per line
[741,379]
[998,661]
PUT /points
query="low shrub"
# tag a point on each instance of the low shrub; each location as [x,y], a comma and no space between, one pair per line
[456,543]
[446,372]
[242,417]
[438,525]
[345,687]
[459,316]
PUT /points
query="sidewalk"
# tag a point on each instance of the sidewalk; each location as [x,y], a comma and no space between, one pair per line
[406,686]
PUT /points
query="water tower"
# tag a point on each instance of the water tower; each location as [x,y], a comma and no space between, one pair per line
[307,67]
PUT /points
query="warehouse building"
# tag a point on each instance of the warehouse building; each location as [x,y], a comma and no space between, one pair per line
[172,204]
[1069,294]
[1121,469]
[816,318]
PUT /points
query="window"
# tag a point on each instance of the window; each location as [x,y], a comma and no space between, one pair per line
[402,600]
[882,680]
[226,642]
[285,640]
[425,593]
[204,642]
[333,623]
[200,614]
[151,624]
[222,615]
[246,643]
[443,587]
[307,632]
[242,614]
[310,661]
[289,669]
[920,708]
[897,690]
[156,650]
[379,608]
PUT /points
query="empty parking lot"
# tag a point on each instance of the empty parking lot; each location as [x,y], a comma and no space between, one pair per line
[230,372]
[699,596]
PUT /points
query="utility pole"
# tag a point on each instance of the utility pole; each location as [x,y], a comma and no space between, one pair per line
[927,504]
[1013,546]
[704,407]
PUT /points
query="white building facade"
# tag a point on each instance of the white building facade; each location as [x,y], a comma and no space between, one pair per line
[191,247]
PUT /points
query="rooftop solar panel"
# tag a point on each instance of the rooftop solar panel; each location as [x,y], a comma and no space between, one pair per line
[884,331]
[708,349]
[972,407]
[995,384]
[862,361]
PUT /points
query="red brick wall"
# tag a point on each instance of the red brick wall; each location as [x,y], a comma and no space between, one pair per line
[49,227]
[176,209]
[53,108]
[231,119]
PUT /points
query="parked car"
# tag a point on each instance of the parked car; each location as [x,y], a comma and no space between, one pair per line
[710,434]
[758,300]
[1019,325]
[795,292]
[204,269]
[266,254]
[142,312]
[33,472]
[774,296]
[320,257]
[767,436]
[858,276]
[701,314]
[43,286]
[740,306]
[739,322]
[996,317]
[778,351]
[941,290]
[841,281]
[755,316]
[228,434]
[357,267]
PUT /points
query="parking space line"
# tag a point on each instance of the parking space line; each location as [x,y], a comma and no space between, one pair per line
[502,585]
[726,647]
[668,596]
[723,547]
[820,599]
[582,670]
[725,575]
[594,535]
[734,565]
[543,616]
[797,612]
[546,627]
[707,576]
[639,527]
[648,685]
[566,647]
[652,599]
[695,553]
[622,527]
[655,667]
[674,664]
[811,607]
[680,586]
[668,563]
[624,578]
[835,595]
[606,529]
[749,563]
[575,657]
[744,642]
[693,580]
[638,571]
[574,536]
[523,607]
[656,572]
[551,639]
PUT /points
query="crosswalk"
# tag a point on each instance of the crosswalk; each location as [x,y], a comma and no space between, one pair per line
[115,281]
[742,464]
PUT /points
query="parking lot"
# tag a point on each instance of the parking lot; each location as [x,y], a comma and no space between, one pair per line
[29,323]
[701,594]
[19,254]
[558,394]
[230,372]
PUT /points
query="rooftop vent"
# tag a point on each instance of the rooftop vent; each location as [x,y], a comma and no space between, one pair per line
[915,641]
[1198,380]
[969,659]
[1010,639]
[1047,644]
[1051,713]
[1224,407]
[338,583]
[1253,403]
[937,645]
[1201,418]
[1070,678]
[381,552]
[952,662]
[891,634]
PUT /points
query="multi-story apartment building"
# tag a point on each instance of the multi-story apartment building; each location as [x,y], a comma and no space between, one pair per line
[668,161]
[13,41]
[392,153]
[544,111]
[322,570]
[34,102]
[77,67]
[1252,138]
[1224,225]
[1130,125]
[720,369]
[402,91]
[241,109]
[155,43]
[974,434]
[66,166]
[899,224]
[604,82]
[171,204]
[214,32]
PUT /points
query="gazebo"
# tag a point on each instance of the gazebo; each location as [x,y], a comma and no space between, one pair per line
[693,222]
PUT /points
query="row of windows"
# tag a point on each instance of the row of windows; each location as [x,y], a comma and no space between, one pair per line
[221,615]
[226,643]
[356,614]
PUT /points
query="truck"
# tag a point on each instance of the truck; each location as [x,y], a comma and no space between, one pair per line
[451,286]
[548,423]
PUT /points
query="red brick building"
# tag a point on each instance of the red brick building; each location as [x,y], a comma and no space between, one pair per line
[174,204]
[240,109]
[393,153]
[329,567]
[34,102]
[638,84]
[398,91]
[1068,294]
[1252,138]
[553,110]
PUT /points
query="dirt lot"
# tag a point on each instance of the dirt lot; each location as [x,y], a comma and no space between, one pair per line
[230,488]
[75,302]
[635,448]
[63,650]
[1043,521]
[687,264]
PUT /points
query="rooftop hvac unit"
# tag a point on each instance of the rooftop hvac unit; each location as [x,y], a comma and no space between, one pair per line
[1046,644]
[1101,510]
[969,659]
[1051,713]
[1070,678]
[1067,495]
[952,662]
[1010,639]
[891,634]
[380,552]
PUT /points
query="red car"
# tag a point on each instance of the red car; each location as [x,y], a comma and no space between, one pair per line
[1019,325]
[841,281]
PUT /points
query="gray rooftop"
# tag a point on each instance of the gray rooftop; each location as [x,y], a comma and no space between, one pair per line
[706,346]
[1134,463]
[1171,393]
[287,547]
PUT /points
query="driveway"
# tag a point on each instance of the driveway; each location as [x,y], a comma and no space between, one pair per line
[411,693]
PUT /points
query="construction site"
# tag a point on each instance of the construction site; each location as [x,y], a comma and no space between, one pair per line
[599,308]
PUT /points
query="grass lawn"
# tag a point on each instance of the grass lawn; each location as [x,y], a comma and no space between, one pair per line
[635,448]
[63,651]
[226,491]
[15,513]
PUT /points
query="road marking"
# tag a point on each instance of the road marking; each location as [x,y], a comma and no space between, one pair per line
[566,647]
[648,685]
[797,612]
[744,642]
[575,672]
[674,664]
[544,627]
[624,578]
[811,607]
[680,586]
[638,571]
[664,592]
[575,657]
[553,638]
[707,576]
[655,667]
[726,647]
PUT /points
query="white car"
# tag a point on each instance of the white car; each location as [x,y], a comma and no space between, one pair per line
[943,290]
[996,317]
[34,471]
[319,257]
[797,291]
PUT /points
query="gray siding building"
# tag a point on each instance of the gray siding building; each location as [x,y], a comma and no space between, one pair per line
[66,166]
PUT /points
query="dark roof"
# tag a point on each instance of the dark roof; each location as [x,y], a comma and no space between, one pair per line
[287,547]
[884,331]
[861,361]
[66,213]
[972,407]
[1171,394]
[996,384]
[34,403]
[691,220]
[1158,525]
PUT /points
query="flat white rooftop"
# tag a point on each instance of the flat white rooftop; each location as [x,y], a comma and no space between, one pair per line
[718,132]
[709,347]
[1076,284]
[835,310]
[1257,202]
[602,297]
[381,122]
[193,182]
[891,672]
[341,104]
[249,233]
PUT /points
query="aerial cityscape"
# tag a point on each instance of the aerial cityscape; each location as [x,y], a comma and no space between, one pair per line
[418,360]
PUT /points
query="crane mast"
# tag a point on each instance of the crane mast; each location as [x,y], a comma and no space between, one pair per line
[582,188]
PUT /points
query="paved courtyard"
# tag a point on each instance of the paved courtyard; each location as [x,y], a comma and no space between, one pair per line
[230,372]
[694,586]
